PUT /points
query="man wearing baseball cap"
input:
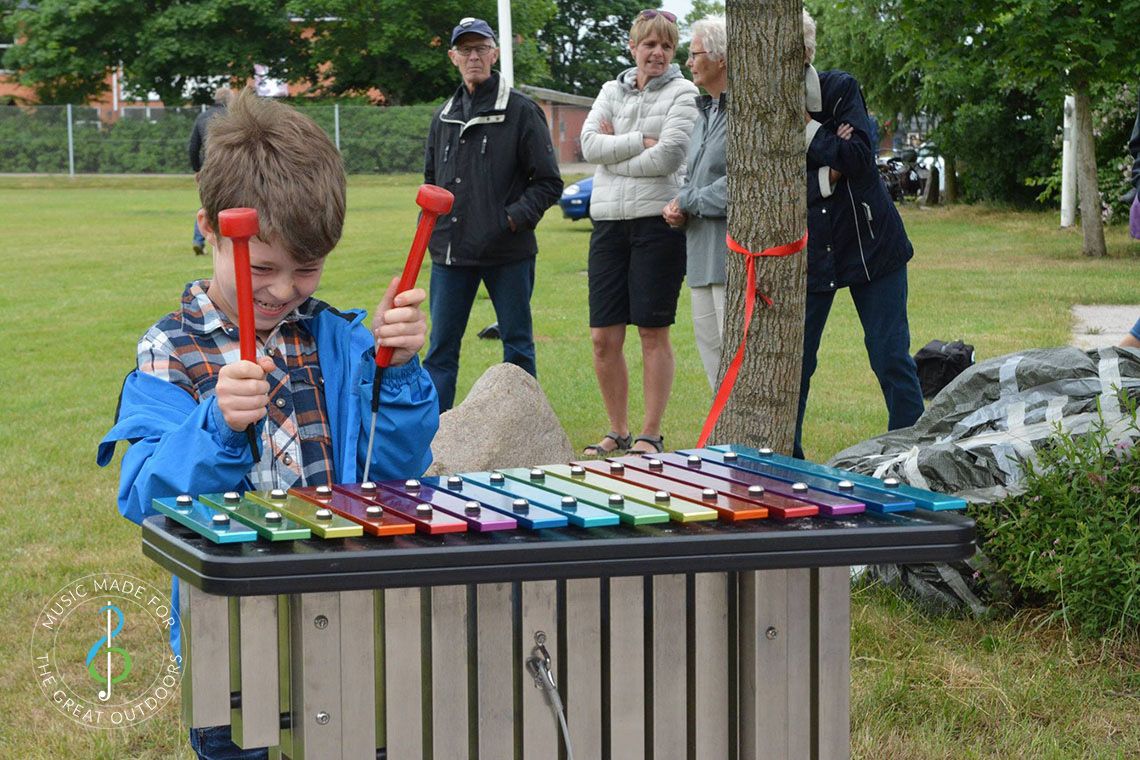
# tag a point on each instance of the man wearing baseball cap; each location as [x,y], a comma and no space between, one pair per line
[490,146]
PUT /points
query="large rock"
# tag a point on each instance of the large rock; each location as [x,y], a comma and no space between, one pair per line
[505,421]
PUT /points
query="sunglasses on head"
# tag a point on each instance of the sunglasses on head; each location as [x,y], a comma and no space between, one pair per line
[654,13]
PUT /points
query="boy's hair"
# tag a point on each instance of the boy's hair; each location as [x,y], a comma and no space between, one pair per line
[270,157]
[657,24]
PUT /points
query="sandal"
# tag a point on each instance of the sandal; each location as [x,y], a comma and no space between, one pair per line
[621,443]
[656,441]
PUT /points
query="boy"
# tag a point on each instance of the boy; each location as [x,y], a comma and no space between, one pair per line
[185,409]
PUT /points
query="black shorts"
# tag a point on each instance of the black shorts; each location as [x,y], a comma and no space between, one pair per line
[636,268]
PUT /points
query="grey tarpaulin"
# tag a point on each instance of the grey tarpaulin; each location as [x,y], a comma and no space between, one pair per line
[973,437]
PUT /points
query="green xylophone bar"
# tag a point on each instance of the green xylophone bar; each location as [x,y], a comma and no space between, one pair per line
[634,507]
[629,512]
[922,498]
[579,513]
[196,516]
[269,523]
[322,521]
[728,507]
[612,477]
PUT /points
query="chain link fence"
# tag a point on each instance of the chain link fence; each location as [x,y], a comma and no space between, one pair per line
[143,140]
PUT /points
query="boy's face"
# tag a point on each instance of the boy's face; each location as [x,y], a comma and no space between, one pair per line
[280,284]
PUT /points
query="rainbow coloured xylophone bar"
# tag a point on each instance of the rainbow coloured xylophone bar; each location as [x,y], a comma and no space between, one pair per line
[720,483]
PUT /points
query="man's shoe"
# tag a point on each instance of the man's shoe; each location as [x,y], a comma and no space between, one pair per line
[199,250]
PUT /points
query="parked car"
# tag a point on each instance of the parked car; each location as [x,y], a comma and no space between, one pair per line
[575,200]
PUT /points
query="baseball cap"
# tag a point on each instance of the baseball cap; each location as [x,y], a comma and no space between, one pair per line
[472,25]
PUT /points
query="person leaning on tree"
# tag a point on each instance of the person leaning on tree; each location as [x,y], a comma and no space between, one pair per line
[490,146]
[856,240]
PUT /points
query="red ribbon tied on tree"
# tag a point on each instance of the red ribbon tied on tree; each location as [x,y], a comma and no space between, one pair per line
[750,295]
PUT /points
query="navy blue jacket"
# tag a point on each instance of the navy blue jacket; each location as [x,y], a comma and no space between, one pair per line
[855,234]
[497,161]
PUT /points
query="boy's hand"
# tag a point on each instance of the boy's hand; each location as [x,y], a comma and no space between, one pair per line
[400,323]
[243,392]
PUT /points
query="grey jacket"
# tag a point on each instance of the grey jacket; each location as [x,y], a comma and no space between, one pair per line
[704,196]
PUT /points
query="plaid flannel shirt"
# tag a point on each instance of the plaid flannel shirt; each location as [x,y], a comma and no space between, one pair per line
[189,347]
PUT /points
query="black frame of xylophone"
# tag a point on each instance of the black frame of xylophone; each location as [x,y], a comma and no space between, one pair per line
[677,641]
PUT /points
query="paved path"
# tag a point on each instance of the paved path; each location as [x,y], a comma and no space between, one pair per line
[1096,326]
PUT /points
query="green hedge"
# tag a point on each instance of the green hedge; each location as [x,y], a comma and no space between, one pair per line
[1072,540]
[373,140]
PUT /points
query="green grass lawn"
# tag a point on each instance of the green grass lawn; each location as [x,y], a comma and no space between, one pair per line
[89,264]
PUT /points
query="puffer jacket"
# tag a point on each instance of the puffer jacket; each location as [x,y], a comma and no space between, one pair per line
[633,181]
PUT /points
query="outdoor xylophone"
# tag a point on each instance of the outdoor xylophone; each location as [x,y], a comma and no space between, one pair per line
[684,605]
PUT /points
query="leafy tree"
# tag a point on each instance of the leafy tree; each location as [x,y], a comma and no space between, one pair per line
[172,48]
[586,43]
[400,48]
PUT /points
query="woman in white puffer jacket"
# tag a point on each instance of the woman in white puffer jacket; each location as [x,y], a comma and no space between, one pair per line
[638,133]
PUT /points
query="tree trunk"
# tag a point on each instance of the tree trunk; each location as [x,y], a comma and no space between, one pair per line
[951,176]
[767,207]
[1092,225]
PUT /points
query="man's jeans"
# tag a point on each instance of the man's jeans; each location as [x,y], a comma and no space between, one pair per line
[881,305]
[216,743]
[453,290]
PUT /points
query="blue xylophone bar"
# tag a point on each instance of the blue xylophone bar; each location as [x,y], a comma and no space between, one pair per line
[529,516]
[876,499]
[923,499]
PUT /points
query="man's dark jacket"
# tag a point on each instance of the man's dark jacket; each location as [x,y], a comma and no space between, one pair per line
[197,145]
[497,162]
[855,234]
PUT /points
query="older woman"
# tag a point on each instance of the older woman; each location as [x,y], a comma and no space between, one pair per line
[702,205]
[638,133]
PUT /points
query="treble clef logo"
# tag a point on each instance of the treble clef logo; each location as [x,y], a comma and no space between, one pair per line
[93,652]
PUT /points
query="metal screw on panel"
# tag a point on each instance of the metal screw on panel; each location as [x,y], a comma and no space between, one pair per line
[231,497]
[411,485]
[694,460]
[220,520]
[766,451]
[731,456]
[183,501]
[708,493]
[800,487]
[277,494]
[661,497]
[845,485]
[497,477]
[756,490]
[324,492]
[617,500]
[472,507]
[272,517]
[323,717]
[321,622]
[569,502]
[771,633]
[891,482]
[520,505]
[656,464]
[577,470]
[368,485]
[537,474]
[617,468]
[373,511]
[323,514]
[454,481]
